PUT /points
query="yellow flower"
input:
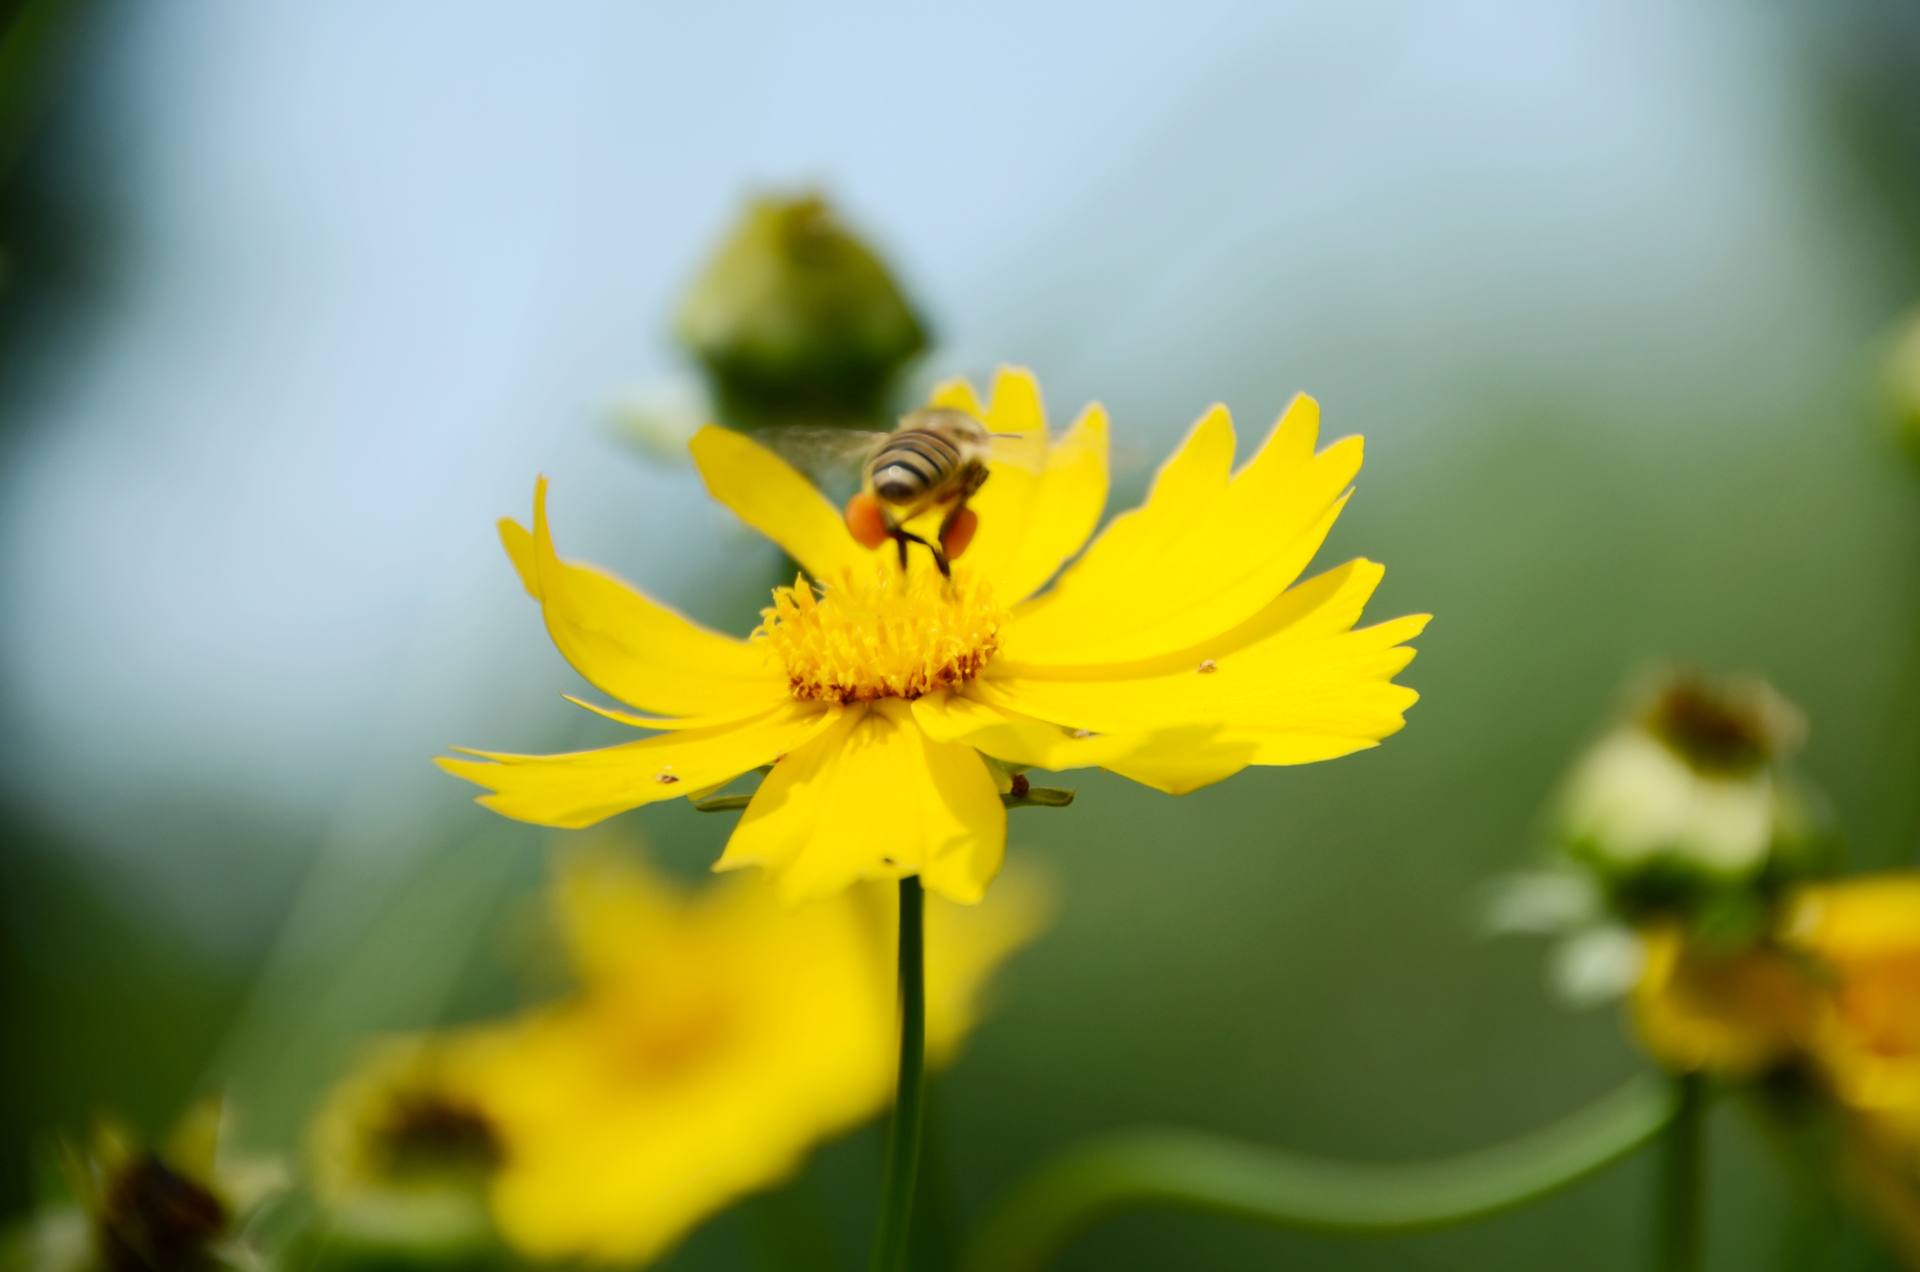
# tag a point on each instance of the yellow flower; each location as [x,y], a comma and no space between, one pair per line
[1176,650]
[401,1153]
[1731,1012]
[1837,981]
[716,1038]
[1864,936]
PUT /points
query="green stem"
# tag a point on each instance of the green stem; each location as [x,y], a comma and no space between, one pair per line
[1680,1246]
[903,1140]
[1265,1185]
[935,1245]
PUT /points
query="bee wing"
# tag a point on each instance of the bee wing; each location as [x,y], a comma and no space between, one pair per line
[1025,451]
[1028,453]
[823,453]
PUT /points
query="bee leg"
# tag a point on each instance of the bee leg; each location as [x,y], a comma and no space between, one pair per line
[904,537]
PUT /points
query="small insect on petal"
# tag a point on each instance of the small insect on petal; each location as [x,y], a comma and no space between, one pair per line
[666,777]
[1206,667]
[960,533]
[865,521]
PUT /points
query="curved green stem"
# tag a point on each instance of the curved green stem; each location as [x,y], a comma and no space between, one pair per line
[903,1139]
[1265,1185]
[1680,1246]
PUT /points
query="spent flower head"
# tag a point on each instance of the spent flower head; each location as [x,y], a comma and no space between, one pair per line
[1676,834]
[184,1202]
[1689,803]
[1178,648]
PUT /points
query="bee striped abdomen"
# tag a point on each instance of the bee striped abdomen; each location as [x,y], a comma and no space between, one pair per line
[912,463]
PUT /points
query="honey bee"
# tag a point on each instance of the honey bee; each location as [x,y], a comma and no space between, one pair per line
[935,460]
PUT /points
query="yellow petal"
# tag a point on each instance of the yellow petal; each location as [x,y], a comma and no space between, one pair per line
[1022,739]
[579,788]
[614,917]
[1177,769]
[1724,1012]
[1043,498]
[629,646]
[1867,917]
[1293,684]
[874,798]
[1206,552]
[768,494]
[1173,760]
[1005,504]
[1067,507]
[656,723]
[957,395]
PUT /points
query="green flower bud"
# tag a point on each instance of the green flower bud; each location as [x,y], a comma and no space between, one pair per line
[796,320]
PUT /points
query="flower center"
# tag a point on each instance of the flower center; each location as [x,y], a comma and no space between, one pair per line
[428,1132]
[881,636]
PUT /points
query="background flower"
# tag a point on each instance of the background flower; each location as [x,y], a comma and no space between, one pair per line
[714,1039]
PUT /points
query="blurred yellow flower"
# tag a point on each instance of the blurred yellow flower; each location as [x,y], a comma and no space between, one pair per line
[1864,936]
[401,1154]
[1176,650]
[1836,983]
[1730,1012]
[715,1038]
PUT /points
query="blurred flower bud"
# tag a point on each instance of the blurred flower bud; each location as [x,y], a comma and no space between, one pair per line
[797,320]
[1687,802]
[1900,376]
[401,1159]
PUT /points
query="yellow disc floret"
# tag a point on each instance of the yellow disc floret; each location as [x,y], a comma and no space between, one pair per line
[881,635]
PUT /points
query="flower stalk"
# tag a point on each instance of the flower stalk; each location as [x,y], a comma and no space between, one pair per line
[1265,1185]
[909,1104]
[1681,1177]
